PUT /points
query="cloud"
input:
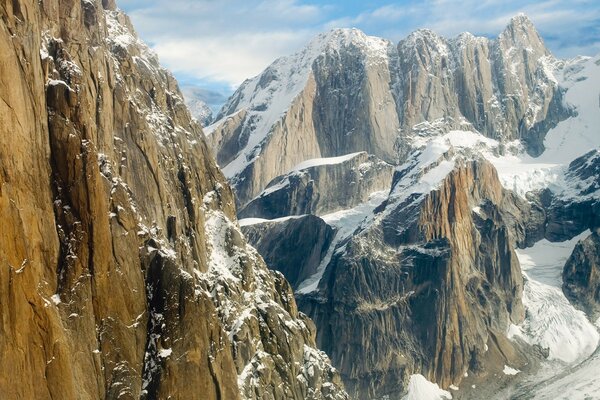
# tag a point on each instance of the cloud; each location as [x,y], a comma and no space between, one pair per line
[227,41]
[231,58]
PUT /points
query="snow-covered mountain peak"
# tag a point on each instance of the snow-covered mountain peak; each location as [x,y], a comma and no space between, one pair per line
[520,33]
[521,20]
[424,39]
[340,38]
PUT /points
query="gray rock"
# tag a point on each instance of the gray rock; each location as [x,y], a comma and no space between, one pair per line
[322,189]
[581,275]
[294,247]
[359,93]
[425,289]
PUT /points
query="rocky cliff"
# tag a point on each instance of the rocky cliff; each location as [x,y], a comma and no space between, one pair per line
[322,186]
[348,92]
[437,273]
[124,273]
[491,145]
[581,275]
[293,246]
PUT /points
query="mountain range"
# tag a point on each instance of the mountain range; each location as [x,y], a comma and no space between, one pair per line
[416,220]
[404,188]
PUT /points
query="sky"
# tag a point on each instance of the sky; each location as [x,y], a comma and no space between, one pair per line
[217,44]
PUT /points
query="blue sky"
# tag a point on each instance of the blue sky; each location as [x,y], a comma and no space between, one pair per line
[216,44]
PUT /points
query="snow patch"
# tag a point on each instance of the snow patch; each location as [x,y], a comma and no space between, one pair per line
[419,388]
[510,371]
[316,162]
[164,353]
[56,299]
[552,321]
[254,221]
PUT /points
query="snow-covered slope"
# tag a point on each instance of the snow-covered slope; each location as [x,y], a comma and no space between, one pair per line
[552,321]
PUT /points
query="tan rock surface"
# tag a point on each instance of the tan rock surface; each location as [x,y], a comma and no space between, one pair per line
[122,273]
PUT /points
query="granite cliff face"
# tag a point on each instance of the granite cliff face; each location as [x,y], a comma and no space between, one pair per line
[348,92]
[581,275]
[422,277]
[440,279]
[124,272]
[293,246]
[322,186]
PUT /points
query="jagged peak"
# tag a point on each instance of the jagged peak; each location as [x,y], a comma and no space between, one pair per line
[520,20]
[424,34]
[339,38]
[421,39]
[521,32]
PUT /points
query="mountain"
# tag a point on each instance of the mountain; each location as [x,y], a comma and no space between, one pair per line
[457,178]
[347,92]
[199,109]
[202,103]
[124,271]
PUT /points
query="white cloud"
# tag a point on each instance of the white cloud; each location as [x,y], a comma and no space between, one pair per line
[230,58]
[223,40]
[231,40]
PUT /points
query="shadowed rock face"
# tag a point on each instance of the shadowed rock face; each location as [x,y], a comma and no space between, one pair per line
[359,93]
[322,189]
[424,289]
[124,274]
[295,247]
[576,207]
[581,275]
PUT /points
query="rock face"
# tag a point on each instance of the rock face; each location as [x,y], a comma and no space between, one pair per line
[347,92]
[575,205]
[322,186]
[437,273]
[295,246]
[199,102]
[422,276]
[124,273]
[581,276]
[502,87]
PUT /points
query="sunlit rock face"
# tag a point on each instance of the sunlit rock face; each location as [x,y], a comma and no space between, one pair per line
[124,273]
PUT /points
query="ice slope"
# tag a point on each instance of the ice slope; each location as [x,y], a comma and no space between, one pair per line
[551,320]
[419,388]
[581,382]
[567,141]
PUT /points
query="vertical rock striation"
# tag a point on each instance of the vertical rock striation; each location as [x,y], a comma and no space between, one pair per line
[123,272]
[348,92]
[437,273]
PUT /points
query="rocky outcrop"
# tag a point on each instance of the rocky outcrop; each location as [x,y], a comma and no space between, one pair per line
[574,206]
[322,186]
[503,87]
[294,246]
[581,275]
[124,274]
[348,92]
[429,287]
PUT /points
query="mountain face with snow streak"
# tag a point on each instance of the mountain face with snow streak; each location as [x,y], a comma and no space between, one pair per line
[348,92]
[431,275]
[202,103]
[124,274]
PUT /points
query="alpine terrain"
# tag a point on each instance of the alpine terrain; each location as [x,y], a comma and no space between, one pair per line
[123,271]
[434,205]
